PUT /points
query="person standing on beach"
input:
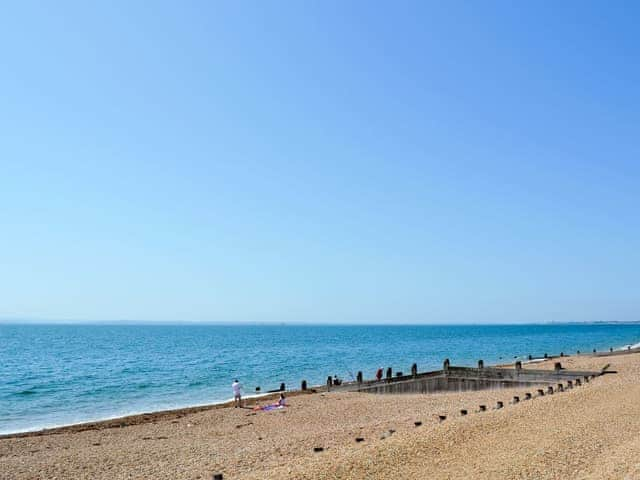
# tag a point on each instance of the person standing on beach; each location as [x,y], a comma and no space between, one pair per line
[237,393]
[379,374]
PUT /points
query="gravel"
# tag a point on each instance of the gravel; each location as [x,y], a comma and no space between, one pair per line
[589,432]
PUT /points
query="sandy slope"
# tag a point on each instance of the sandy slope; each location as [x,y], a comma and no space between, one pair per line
[589,432]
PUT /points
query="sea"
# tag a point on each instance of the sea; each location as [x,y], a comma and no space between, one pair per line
[54,375]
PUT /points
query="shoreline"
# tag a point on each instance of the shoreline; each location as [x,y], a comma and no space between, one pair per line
[150,417]
[121,421]
[348,435]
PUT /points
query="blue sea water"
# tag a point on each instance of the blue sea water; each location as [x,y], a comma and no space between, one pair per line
[54,375]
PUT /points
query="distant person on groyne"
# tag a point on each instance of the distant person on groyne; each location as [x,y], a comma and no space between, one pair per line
[237,393]
[379,374]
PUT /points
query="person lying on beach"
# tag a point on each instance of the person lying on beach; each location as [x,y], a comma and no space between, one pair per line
[281,403]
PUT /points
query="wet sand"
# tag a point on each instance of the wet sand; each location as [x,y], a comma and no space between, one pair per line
[592,431]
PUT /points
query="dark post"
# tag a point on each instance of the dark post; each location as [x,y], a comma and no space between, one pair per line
[359,377]
[303,386]
[414,370]
[389,373]
[557,367]
[480,363]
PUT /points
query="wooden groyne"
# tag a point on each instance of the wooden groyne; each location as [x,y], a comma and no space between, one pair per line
[459,379]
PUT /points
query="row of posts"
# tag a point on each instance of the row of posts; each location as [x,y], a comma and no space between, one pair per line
[445,367]
[360,377]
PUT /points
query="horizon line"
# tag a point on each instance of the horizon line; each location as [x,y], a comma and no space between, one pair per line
[31,321]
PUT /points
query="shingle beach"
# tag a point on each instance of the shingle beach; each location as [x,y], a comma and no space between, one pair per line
[589,432]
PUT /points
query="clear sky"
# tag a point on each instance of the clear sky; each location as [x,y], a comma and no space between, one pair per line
[332,161]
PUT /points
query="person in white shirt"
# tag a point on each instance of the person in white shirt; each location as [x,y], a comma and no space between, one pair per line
[237,395]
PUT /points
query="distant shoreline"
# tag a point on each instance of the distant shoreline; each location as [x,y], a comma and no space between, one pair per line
[175,323]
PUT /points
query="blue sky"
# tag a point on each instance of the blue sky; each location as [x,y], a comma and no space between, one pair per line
[416,162]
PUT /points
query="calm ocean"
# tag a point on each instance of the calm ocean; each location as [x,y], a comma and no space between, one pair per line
[61,374]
